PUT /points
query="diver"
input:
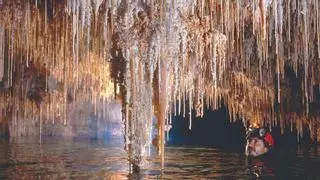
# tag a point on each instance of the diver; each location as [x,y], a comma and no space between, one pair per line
[259,141]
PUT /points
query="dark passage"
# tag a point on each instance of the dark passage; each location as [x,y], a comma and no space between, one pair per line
[213,130]
[216,130]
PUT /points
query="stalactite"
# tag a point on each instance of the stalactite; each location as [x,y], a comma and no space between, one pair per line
[40,124]
[190,110]
[2,55]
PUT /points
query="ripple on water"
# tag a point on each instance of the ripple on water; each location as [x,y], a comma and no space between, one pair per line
[68,159]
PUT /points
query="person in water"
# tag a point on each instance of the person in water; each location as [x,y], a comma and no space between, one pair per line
[259,141]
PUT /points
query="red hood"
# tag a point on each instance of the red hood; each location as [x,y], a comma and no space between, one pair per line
[269,139]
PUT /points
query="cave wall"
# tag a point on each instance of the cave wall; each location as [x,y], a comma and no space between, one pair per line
[100,121]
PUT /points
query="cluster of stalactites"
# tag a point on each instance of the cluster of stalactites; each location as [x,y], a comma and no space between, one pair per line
[165,50]
[50,56]
[254,40]
[264,37]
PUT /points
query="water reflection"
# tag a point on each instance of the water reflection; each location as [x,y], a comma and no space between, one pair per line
[259,167]
[85,159]
[55,159]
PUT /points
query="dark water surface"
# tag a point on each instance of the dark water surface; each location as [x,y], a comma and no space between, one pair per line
[85,159]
